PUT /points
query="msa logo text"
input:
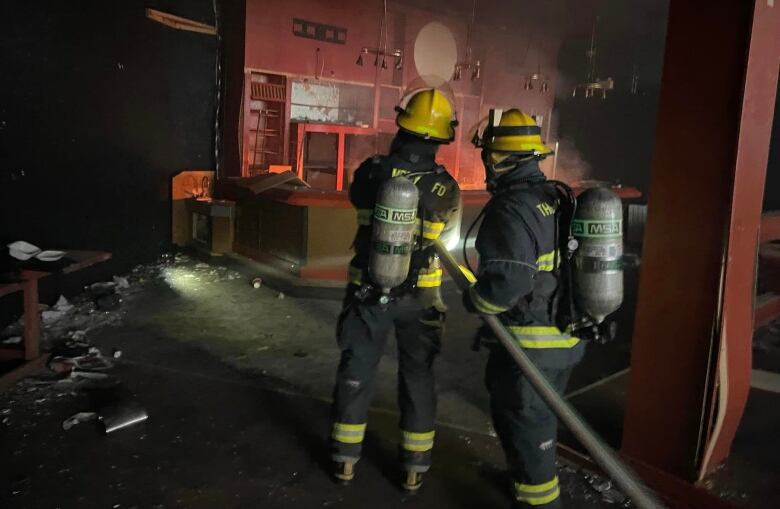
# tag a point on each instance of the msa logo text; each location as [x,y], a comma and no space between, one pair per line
[395,215]
[403,216]
[603,228]
[595,228]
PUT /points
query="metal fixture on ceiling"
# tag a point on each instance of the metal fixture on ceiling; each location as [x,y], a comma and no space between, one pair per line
[593,83]
[381,47]
[536,78]
[378,52]
[475,66]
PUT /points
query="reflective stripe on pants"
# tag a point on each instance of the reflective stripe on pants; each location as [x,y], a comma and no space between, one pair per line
[417,442]
[537,494]
[430,279]
[527,428]
[536,336]
[348,433]
[362,338]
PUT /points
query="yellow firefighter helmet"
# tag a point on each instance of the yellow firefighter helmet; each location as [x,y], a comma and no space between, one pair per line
[428,114]
[513,132]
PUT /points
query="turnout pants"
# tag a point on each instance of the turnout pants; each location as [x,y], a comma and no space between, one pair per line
[362,335]
[526,426]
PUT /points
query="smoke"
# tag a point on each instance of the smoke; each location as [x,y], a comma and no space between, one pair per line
[567,164]
[564,85]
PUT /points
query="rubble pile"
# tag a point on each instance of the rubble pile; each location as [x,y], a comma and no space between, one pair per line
[75,369]
[97,306]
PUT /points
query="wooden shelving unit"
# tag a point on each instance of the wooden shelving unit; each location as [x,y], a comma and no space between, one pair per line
[268,96]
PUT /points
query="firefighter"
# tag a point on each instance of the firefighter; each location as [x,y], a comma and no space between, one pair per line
[519,279]
[415,310]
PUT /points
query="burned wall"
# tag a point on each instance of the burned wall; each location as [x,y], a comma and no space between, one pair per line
[100,107]
[509,44]
[613,138]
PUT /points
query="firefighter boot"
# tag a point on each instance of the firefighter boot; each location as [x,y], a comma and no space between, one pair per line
[411,481]
[343,472]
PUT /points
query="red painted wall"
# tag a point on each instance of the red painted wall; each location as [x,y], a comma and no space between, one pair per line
[271,45]
[507,53]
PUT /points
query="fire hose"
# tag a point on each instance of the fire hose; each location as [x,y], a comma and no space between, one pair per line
[602,454]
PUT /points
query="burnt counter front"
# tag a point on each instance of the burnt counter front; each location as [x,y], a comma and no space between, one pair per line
[305,232]
[308,233]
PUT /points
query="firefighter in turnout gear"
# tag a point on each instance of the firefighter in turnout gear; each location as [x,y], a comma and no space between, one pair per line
[519,280]
[415,309]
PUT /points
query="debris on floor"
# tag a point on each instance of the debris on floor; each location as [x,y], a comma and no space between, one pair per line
[101,303]
[582,484]
[90,360]
[715,483]
[121,416]
[78,418]
[66,320]
[75,366]
[75,369]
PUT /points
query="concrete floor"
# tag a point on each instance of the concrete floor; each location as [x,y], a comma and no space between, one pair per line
[236,382]
[751,475]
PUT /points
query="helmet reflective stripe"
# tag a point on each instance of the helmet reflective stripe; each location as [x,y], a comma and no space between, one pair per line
[512,132]
[526,130]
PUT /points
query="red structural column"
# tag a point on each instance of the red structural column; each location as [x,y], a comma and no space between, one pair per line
[736,325]
[690,363]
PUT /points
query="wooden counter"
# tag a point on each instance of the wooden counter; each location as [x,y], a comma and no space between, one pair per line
[308,233]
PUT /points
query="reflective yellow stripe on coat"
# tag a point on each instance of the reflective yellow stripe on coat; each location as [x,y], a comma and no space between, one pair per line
[537,494]
[355,275]
[546,262]
[431,230]
[483,305]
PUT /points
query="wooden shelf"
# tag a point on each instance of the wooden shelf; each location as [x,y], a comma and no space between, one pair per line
[264,124]
[266,113]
